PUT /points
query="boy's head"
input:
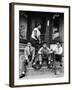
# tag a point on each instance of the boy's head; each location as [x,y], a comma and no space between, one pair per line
[58,43]
[29,44]
[44,44]
[39,26]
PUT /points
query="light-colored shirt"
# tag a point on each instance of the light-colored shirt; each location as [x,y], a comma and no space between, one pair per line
[38,33]
[42,50]
[29,51]
[58,50]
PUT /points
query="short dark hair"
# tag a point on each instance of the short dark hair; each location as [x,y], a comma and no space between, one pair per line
[58,42]
[29,42]
[44,42]
[38,24]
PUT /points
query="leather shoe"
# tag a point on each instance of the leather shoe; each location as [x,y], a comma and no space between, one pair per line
[22,75]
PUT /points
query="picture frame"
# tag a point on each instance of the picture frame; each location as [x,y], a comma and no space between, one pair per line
[23,17]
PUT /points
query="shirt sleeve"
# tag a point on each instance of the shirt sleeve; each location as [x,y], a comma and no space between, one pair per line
[48,49]
[32,35]
[60,51]
[33,53]
[38,33]
[25,53]
[40,51]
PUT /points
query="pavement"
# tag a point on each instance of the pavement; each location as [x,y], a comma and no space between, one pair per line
[44,72]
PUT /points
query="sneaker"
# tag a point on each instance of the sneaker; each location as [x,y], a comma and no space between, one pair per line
[33,63]
[40,63]
[49,62]
[22,75]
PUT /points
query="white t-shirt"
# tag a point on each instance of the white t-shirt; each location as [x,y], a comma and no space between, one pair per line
[58,50]
[38,33]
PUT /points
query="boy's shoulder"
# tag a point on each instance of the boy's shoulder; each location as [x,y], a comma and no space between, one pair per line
[32,47]
[26,48]
[41,48]
[35,28]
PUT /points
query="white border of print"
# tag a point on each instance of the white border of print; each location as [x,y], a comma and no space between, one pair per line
[17,81]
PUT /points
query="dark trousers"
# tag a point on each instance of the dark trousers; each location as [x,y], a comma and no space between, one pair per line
[45,58]
[42,58]
[35,43]
[24,63]
[25,66]
[58,58]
